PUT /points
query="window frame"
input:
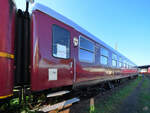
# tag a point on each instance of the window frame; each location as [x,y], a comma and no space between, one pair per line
[120,61]
[101,55]
[69,41]
[93,52]
[112,59]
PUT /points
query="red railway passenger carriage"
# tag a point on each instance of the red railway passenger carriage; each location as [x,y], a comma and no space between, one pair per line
[149,70]
[63,53]
[7,33]
[144,69]
[46,50]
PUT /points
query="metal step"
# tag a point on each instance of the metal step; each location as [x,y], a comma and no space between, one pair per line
[60,105]
[57,93]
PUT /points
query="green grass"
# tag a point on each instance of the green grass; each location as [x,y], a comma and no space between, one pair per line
[15,107]
[112,102]
[144,97]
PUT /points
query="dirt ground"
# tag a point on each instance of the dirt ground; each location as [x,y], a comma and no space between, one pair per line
[137,101]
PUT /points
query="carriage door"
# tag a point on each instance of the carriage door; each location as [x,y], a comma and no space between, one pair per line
[62,52]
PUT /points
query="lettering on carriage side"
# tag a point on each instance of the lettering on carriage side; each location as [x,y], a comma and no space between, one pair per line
[52,74]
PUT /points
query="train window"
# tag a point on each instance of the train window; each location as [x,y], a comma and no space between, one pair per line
[104,60]
[104,52]
[61,42]
[114,60]
[124,65]
[114,63]
[129,66]
[120,62]
[86,56]
[114,56]
[86,44]
[104,56]
[86,50]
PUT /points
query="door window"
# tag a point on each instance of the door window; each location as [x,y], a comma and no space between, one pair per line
[61,42]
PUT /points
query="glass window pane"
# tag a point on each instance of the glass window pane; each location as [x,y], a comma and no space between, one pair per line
[61,42]
[86,56]
[125,61]
[124,65]
[114,63]
[120,64]
[120,59]
[86,44]
[104,52]
[114,56]
[104,60]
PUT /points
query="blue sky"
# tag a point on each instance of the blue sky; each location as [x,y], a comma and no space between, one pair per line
[122,22]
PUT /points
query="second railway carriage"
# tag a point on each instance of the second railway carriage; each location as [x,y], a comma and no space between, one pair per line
[144,69]
[7,34]
[63,54]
